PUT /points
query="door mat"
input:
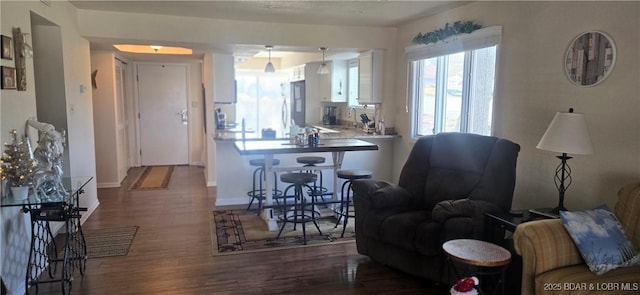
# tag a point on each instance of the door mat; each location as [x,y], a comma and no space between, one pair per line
[153,177]
[109,241]
[240,231]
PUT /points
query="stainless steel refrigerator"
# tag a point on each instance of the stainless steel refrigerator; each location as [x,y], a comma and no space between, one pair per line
[297,103]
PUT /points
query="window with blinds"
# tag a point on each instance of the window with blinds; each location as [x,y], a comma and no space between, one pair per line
[451,84]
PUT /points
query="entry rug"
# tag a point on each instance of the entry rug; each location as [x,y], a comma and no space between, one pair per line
[153,177]
[109,241]
[240,231]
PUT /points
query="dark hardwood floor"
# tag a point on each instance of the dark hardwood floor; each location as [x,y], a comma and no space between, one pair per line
[171,253]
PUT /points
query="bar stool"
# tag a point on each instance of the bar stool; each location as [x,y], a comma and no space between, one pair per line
[343,211]
[311,161]
[257,191]
[300,211]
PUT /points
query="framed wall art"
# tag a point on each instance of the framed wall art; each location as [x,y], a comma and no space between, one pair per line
[7,48]
[8,78]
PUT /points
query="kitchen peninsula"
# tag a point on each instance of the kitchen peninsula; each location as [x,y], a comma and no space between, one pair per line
[234,174]
[269,148]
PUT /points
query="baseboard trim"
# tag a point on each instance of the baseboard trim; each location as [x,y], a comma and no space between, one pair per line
[231,202]
[108,185]
[90,210]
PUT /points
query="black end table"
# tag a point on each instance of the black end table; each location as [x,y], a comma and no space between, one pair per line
[499,229]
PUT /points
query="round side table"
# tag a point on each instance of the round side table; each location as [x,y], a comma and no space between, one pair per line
[490,259]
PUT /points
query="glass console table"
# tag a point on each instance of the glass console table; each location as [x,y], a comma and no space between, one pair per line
[43,253]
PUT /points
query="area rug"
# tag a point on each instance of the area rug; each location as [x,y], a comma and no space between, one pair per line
[153,177]
[239,231]
[109,241]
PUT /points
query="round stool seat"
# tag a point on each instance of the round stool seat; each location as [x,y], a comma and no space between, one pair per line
[310,160]
[298,178]
[355,174]
[260,162]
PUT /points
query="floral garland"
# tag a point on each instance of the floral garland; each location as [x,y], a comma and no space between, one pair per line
[458,27]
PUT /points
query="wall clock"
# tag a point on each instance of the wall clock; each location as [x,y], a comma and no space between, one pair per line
[590,58]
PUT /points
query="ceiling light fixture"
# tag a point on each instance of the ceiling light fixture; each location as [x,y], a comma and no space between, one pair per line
[323,69]
[155,47]
[269,68]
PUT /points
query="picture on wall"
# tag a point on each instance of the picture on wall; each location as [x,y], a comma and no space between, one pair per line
[7,48]
[8,78]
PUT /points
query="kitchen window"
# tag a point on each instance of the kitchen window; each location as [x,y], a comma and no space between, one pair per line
[451,85]
[352,84]
[263,101]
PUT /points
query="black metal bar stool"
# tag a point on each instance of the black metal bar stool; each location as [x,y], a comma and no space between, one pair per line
[257,191]
[301,211]
[311,161]
[343,210]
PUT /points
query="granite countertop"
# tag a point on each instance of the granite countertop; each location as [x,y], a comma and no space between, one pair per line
[354,133]
[325,132]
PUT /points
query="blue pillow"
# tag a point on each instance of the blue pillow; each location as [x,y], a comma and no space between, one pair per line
[600,239]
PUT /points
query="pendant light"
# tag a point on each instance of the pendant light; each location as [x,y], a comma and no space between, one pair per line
[323,69]
[269,68]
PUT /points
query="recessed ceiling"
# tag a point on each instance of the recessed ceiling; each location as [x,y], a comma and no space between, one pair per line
[379,13]
[356,13]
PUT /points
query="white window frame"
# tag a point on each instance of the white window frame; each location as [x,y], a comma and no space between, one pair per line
[482,38]
[352,99]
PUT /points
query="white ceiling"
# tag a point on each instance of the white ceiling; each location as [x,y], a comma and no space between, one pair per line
[380,13]
[358,13]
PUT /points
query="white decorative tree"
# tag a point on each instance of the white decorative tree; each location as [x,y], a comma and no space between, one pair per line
[17,165]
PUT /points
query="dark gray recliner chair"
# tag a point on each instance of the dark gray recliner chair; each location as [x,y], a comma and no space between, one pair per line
[447,183]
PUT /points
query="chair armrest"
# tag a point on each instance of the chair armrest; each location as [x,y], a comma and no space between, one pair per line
[461,208]
[381,194]
[463,218]
[544,245]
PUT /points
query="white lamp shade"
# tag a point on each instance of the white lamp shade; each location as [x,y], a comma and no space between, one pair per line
[323,69]
[567,133]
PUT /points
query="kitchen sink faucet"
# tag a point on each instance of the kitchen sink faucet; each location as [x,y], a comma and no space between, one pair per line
[355,120]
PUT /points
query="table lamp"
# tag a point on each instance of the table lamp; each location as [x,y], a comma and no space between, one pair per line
[567,134]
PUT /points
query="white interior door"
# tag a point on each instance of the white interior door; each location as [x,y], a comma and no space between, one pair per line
[164,133]
[122,138]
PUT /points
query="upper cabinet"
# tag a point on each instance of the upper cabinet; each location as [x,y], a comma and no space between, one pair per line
[297,73]
[370,77]
[338,81]
[330,87]
[219,76]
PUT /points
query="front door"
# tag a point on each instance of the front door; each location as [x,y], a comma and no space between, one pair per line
[164,133]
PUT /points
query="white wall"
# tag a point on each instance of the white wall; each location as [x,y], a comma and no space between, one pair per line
[17,106]
[532,87]
[104,119]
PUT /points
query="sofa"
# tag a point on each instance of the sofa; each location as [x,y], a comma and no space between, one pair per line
[552,264]
[447,183]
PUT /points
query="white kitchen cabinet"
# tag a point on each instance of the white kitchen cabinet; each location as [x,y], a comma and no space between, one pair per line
[219,76]
[339,81]
[330,87]
[297,73]
[370,77]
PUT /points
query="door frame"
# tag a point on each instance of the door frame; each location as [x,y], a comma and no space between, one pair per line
[122,106]
[136,103]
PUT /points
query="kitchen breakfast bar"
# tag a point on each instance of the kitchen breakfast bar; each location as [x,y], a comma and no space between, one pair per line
[268,148]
